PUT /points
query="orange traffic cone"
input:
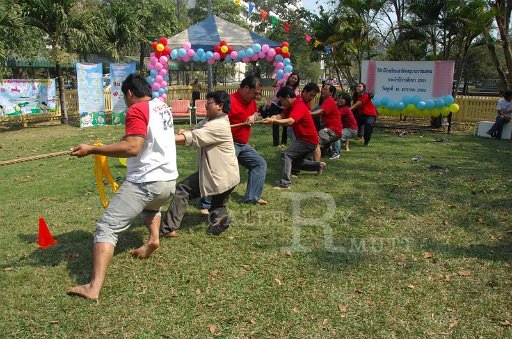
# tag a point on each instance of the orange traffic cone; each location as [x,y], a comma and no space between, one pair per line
[44,239]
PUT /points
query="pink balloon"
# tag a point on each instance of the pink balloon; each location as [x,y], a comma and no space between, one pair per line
[246,59]
[153,59]
[163,72]
[151,66]
[158,66]
[255,57]
[286,75]
[216,56]
[265,48]
[271,52]
[269,58]
[152,54]
[159,78]
[163,59]
[163,96]
[211,61]
[261,54]
[163,84]
[279,65]
[233,55]
[191,52]
[155,86]
[187,45]
[186,58]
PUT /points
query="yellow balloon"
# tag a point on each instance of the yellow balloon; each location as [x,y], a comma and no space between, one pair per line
[160,47]
[454,108]
[285,49]
[122,161]
[435,112]
[224,49]
[445,110]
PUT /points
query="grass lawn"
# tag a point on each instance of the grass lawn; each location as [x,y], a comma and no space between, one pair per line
[389,248]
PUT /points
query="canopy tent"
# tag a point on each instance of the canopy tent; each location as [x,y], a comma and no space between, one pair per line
[207,33]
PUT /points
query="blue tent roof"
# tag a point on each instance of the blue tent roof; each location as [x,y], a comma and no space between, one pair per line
[209,32]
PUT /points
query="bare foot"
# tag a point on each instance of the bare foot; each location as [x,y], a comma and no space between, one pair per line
[204,211]
[145,250]
[84,291]
[347,150]
[262,202]
[172,234]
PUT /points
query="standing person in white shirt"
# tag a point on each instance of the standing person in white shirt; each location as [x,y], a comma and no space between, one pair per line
[504,111]
[150,179]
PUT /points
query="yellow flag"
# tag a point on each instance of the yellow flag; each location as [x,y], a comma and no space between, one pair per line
[101,169]
[237,2]
[316,43]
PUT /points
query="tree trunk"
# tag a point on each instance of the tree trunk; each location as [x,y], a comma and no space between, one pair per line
[496,61]
[141,56]
[62,97]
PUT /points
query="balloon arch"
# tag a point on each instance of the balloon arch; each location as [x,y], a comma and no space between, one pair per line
[158,60]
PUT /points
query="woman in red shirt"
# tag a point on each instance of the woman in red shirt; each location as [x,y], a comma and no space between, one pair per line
[348,122]
[366,112]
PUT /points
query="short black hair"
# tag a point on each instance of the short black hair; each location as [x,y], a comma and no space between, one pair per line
[251,81]
[137,84]
[286,92]
[507,94]
[221,98]
[332,89]
[311,87]
[347,98]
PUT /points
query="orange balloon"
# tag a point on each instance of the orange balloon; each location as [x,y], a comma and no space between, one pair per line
[160,47]
[284,49]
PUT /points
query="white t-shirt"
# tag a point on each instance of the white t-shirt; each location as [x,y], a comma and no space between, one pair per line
[504,105]
[152,120]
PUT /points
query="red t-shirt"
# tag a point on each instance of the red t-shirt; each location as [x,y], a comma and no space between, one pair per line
[304,127]
[332,117]
[137,119]
[239,113]
[347,118]
[367,108]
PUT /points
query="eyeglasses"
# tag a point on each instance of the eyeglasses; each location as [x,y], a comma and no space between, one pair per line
[209,103]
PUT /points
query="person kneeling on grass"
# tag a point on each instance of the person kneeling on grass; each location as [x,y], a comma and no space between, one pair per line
[150,178]
[296,115]
[217,174]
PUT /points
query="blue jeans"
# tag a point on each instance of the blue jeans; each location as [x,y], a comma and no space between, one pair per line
[249,158]
[337,146]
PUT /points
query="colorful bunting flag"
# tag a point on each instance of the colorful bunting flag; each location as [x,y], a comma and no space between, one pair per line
[263,14]
[286,27]
[308,38]
[274,21]
[316,43]
[251,7]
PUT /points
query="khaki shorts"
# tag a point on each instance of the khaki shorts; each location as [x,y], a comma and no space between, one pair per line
[129,201]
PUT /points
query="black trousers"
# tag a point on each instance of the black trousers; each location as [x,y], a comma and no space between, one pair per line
[187,190]
[275,135]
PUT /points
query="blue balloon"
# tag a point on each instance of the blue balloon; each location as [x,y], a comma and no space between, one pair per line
[280,72]
[155,94]
[153,72]
[161,91]
[376,102]
[209,55]
[415,99]
[227,59]
[384,101]
[406,100]
[182,52]
[256,48]
[391,105]
[439,102]
[286,61]
[431,104]
[288,68]
[204,58]
[200,51]
[400,106]
[196,57]
[279,77]
[150,79]
[174,54]
[241,54]
[421,104]
[278,57]
[166,77]
[448,100]
[249,52]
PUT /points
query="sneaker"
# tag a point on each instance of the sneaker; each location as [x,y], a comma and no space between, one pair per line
[219,225]
[334,156]
[322,166]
